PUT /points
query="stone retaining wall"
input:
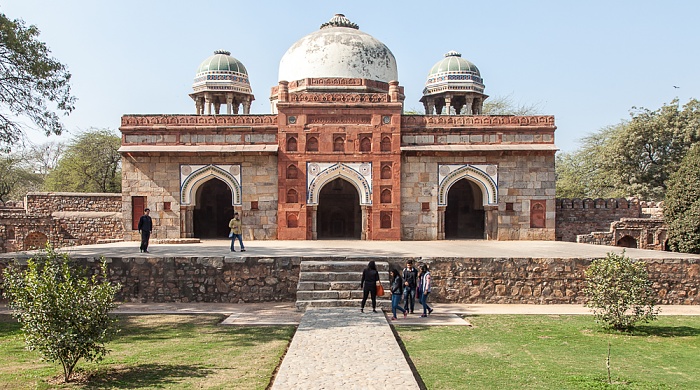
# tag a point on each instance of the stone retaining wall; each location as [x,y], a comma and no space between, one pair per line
[46,203]
[456,280]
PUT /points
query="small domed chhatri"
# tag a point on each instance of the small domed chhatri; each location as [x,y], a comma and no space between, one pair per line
[455,83]
[221,79]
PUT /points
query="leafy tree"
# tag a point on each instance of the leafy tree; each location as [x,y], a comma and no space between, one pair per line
[636,157]
[504,105]
[16,177]
[63,312]
[682,205]
[588,172]
[30,80]
[90,163]
[619,292]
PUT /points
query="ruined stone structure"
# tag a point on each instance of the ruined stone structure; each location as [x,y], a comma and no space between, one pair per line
[337,158]
[614,222]
[64,219]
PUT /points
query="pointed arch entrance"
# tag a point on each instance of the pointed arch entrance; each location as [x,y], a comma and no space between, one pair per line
[212,209]
[339,215]
[464,212]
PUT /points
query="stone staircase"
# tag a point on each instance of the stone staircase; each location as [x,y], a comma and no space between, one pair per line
[335,283]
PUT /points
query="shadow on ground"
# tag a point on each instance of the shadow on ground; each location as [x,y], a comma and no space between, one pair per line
[146,375]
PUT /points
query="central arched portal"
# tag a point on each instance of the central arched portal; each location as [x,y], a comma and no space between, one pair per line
[213,210]
[339,214]
[464,214]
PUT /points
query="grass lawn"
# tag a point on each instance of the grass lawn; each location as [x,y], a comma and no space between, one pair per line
[157,351]
[555,352]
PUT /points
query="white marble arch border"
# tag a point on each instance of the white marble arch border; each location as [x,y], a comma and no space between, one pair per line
[484,176]
[358,174]
[193,176]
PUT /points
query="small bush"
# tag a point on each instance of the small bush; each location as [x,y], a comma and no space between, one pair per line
[63,312]
[619,292]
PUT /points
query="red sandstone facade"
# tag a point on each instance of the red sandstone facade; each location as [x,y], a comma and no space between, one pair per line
[396,171]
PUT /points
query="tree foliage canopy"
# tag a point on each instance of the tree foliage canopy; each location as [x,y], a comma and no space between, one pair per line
[682,205]
[16,177]
[504,105]
[633,158]
[90,163]
[30,79]
[63,312]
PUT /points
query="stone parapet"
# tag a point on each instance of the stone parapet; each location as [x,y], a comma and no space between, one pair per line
[163,120]
[583,216]
[46,203]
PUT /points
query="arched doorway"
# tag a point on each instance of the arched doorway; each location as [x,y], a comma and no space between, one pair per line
[627,242]
[339,214]
[464,214]
[213,210]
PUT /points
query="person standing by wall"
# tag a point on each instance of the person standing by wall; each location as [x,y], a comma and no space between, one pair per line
[145,227]
[410,275]
[425,289]
[368,284]
[236,232]
[397,289]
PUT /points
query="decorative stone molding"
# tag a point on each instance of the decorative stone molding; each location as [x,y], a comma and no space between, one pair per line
[340,119]
[477,120]
[197,120]
[485,176]
[306,97]
[358,174]
[193,176]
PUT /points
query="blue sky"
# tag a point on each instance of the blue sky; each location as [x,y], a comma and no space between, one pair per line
[585,62]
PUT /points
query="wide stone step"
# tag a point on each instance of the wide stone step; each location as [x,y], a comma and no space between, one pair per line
[337,277]
[340,266]
[381,303]
[324,286]
[329,294]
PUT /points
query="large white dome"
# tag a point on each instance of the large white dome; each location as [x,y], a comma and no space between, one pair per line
[338,49]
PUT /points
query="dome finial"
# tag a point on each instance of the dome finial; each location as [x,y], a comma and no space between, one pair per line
[224,52]
[453,53]
[339,20]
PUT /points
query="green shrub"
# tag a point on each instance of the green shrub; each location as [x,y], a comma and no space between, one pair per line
[63,312]
[682,205]
[619,292]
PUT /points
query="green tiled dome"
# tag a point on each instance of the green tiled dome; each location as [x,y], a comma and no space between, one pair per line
[453,62]
[222,61]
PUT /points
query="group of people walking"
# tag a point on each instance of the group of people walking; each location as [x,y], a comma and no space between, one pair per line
[407,285]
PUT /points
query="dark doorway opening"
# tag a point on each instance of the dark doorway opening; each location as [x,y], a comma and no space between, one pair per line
[339,214]
[464,214]
[213,210]
[627,242]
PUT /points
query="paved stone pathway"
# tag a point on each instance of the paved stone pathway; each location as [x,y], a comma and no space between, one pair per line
[341,348]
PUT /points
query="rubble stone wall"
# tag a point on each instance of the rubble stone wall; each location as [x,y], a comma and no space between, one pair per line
[455,280]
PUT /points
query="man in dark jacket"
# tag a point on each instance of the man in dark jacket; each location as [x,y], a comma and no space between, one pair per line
[145,227]
[410,275]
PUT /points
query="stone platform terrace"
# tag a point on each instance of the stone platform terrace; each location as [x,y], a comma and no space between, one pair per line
[366,249]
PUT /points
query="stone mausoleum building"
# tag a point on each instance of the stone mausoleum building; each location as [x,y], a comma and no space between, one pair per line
[337,157]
